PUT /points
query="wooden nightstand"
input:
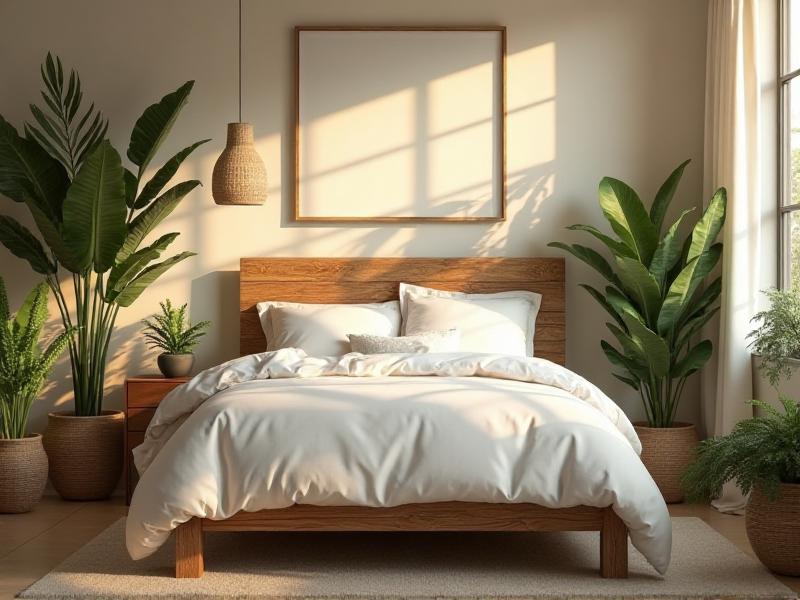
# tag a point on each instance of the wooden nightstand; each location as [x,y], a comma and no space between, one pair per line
[142,396]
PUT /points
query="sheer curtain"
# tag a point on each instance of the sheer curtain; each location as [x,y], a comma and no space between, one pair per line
[732,158]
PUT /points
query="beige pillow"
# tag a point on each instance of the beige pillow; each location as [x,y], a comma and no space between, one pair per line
[321,329]
[503,323]
[430,341]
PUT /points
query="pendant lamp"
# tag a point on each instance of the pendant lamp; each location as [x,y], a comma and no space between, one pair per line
[239,177]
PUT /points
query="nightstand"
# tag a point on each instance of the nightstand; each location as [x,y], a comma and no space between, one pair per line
[142,397]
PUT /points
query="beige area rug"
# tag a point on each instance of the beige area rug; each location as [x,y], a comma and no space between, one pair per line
[410,565]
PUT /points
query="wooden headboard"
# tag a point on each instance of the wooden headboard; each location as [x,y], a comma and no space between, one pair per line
[357,280]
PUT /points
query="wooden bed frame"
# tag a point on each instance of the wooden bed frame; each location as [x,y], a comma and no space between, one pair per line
[334,280]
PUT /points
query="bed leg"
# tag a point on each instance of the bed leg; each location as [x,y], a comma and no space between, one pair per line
[189,549]
[613,546]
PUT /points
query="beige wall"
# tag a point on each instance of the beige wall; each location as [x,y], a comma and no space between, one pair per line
[595,87]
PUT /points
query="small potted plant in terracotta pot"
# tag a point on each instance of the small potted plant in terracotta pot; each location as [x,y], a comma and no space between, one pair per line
[24,367]
[172,333]
[659,297]
[762,455]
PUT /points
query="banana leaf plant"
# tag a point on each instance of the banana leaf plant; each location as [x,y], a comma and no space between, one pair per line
[655,292]
[93,214]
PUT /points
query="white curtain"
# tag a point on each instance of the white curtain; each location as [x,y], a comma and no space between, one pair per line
[732,159]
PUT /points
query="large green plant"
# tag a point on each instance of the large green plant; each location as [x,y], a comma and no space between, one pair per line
[777,336]
[92,213]
[655,293]
[23,365]
[761,453]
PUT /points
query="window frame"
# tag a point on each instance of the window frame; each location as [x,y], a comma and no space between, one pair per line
[785,209]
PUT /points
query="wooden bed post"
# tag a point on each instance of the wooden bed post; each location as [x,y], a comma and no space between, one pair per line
[189,549]
[613,546]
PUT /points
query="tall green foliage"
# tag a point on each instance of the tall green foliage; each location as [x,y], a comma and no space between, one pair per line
[24,366]
[655,293]
[92,212]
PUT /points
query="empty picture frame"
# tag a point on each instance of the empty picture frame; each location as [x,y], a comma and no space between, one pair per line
[400,124]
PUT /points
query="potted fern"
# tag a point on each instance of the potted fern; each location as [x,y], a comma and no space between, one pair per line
[776,348]
[24,367]
[762,455]
[94,216]
[172,333]
[658,300]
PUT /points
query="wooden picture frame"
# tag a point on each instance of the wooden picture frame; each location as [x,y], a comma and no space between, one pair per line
[432,164]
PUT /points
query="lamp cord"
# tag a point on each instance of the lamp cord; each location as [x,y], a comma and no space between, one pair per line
[240,61]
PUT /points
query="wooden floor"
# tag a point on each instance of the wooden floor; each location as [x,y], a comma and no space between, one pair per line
[32,544]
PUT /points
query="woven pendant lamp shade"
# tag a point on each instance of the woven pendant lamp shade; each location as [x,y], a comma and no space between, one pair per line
[239,174]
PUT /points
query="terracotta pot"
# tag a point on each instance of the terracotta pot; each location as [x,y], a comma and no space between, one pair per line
[23,473]
[666,452]
[773,528]
[85,453]
[175,365]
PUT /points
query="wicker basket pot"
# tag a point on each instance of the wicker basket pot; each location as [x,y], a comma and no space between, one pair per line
[773,528]
[85,453]
[23,473]
[666,452]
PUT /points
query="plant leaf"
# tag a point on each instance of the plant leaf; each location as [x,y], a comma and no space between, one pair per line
[694,359]
[705,231]
[668,251]
[154,125]
[95,212]
[641,285]
[684,286]
[140,283]
[650,343]
[661,203]
[628,218]
[591,258]
[149,218]
[617,248]
[131,184]
[601,300]
[153,187]
[26,169]
[23,244]
[123,272]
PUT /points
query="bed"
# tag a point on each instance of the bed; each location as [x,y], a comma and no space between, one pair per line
[329,280]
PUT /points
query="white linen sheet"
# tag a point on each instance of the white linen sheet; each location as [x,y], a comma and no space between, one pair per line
[273,429]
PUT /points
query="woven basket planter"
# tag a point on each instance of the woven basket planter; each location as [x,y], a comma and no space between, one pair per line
[85,453]
[23,473]
[239,175]
[773,528]
[666,452]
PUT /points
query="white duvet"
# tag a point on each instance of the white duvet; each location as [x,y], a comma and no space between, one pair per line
[274,429]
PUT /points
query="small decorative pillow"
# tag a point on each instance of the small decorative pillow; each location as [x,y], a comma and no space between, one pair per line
[321,329]
[502,323]
[429,341]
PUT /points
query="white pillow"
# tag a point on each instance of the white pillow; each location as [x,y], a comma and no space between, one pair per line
[430,341]
[321,329]
[503,322]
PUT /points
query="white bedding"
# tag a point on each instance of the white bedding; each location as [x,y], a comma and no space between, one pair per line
[274,429]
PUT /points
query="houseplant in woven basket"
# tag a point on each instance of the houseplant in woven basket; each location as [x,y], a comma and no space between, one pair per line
[173,334]
[762,455]
[94,216]
[24,367]
[658,302]
[775,343]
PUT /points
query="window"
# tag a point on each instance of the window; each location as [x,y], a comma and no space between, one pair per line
[789,120]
